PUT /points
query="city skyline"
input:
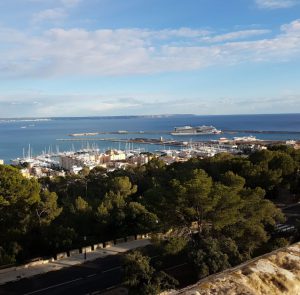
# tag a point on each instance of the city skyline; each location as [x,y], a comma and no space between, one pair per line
[111,57]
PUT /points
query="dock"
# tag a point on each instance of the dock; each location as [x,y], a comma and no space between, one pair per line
[165,142]
[164,132]
[132,140]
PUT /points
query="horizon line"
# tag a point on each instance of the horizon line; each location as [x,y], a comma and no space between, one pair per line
[140,116]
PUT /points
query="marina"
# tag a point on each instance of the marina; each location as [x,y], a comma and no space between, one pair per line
[57,163]
[144,132]
[167,142]
[188,131]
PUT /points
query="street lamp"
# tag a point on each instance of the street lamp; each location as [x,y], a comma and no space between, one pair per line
[84,247]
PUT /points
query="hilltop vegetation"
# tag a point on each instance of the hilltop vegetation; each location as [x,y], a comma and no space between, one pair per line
[218,211]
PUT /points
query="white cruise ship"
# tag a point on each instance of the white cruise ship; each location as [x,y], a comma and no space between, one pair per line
[199,130]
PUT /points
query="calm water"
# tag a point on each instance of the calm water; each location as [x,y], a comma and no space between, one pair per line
[41,135]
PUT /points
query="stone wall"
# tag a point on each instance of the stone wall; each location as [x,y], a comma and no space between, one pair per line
[275,273]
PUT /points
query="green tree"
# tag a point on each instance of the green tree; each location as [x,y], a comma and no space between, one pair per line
[198,201]
[227,207]
[141,278]
[207,258]
[18,197]
[138,219]
[261,157]
[284,162]
[174,245]
[255,215]
[232,180]
[47,209]
[84,171]
[122,186]
[81,205]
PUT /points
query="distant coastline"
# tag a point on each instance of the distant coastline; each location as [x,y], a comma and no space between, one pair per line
[135,116]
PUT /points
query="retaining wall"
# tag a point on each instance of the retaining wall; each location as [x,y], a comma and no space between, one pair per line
[74,252]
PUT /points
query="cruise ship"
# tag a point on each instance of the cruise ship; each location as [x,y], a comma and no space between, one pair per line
[198,130]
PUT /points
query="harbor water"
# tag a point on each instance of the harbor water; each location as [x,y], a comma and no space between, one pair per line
[43,134]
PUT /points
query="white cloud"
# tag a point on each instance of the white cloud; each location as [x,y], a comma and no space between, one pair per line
[56,14]
[236,35]
[70,104]
[59,52]
[275,4]
[51,15]
[65,3]
[70,3]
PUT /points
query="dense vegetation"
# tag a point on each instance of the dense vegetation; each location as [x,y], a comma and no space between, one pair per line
[217,211]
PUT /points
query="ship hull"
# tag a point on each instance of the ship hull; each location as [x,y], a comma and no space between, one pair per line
[193,133]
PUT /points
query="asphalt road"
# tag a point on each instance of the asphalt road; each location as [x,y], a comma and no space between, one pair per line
[99,275]
[292,214]
[94,277]
[292,209]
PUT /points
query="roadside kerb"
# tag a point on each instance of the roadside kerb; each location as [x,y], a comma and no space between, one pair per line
[98,246]
[108,244]
[61,255]
[43,266]
[74,252]
[141,237]
[130,238]
[24,266]
[9,269]
[119,241]
[86,249]
[34,263]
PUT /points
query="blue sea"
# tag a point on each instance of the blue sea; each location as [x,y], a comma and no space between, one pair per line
[17,134]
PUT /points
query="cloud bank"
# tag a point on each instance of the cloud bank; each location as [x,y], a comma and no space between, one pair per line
[105,52]
[56,14]
[276,4]
[45,105]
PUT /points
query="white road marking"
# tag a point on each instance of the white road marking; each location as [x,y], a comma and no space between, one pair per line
[112,269]
[112,287]
[176,266]
[54,286]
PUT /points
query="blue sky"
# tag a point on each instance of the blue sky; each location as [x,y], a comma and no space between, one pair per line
[135,57]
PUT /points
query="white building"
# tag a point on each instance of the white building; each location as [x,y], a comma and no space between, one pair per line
[116,155]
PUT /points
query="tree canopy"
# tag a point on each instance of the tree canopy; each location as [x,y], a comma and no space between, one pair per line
[219,209]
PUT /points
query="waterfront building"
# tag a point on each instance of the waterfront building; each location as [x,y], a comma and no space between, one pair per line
[116,155]
[67,162]
[26,172]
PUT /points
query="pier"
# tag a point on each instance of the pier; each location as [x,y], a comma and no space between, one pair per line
[119,132]
[162,132]
[174,143]
[260,131]
[132,140]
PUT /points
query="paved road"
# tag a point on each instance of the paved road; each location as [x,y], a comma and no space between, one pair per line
[98,275]
[94,277]
[292,214]
[292,209]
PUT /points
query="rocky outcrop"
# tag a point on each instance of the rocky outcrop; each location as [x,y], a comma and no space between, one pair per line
[275,273]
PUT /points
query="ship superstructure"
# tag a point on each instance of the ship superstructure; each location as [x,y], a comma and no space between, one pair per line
[198,130]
